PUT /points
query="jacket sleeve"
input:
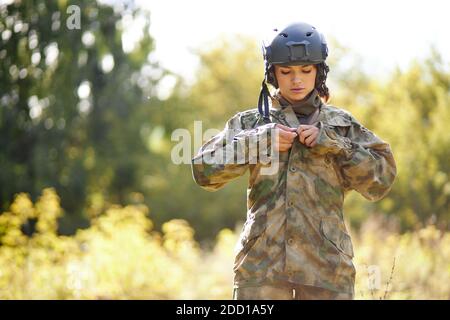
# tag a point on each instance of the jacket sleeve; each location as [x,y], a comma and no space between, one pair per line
[227,155]
[365,163]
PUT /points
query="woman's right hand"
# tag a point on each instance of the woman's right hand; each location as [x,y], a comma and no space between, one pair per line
[285,137]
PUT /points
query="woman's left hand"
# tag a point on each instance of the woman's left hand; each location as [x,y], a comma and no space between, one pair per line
[307,134]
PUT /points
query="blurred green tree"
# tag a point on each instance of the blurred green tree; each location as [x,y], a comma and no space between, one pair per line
[74,104]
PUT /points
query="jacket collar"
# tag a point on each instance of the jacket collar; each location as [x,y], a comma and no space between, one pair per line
[303,108]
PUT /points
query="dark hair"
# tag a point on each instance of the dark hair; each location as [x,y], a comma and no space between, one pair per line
[321,78]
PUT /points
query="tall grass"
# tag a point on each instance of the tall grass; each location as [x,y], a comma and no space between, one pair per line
[121,256]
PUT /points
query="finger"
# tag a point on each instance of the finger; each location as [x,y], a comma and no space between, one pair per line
[283,141]
[285,128]
[289,140]
[303,127]
[283,149]
[303,136]
[307,133]
[284,146]
[287,136]
[309,140]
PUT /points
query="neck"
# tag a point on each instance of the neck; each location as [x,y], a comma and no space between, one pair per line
[306,106]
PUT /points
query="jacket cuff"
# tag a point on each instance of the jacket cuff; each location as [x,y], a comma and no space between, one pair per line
[329,141]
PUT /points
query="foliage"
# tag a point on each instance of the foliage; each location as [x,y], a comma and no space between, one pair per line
[74,114]
[121,256]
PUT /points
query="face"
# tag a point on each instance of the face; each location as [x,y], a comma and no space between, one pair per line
[295,82]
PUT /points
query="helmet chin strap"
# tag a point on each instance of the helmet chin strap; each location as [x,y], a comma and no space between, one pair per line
[263,101]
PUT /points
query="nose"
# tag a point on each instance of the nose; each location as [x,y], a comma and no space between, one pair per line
[296,78]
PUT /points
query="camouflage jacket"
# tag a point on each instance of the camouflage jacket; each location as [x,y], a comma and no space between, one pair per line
[295,231]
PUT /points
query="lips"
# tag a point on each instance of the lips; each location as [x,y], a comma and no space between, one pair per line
[297,89]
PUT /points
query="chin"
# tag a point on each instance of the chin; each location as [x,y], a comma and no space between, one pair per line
[297,97]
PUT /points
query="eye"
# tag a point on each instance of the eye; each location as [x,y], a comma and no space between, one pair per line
[307,71]
[284,72]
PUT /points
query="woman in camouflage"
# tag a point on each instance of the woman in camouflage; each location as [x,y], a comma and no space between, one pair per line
[294,243]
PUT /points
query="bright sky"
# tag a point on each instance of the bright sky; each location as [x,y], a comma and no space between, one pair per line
[385,32]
